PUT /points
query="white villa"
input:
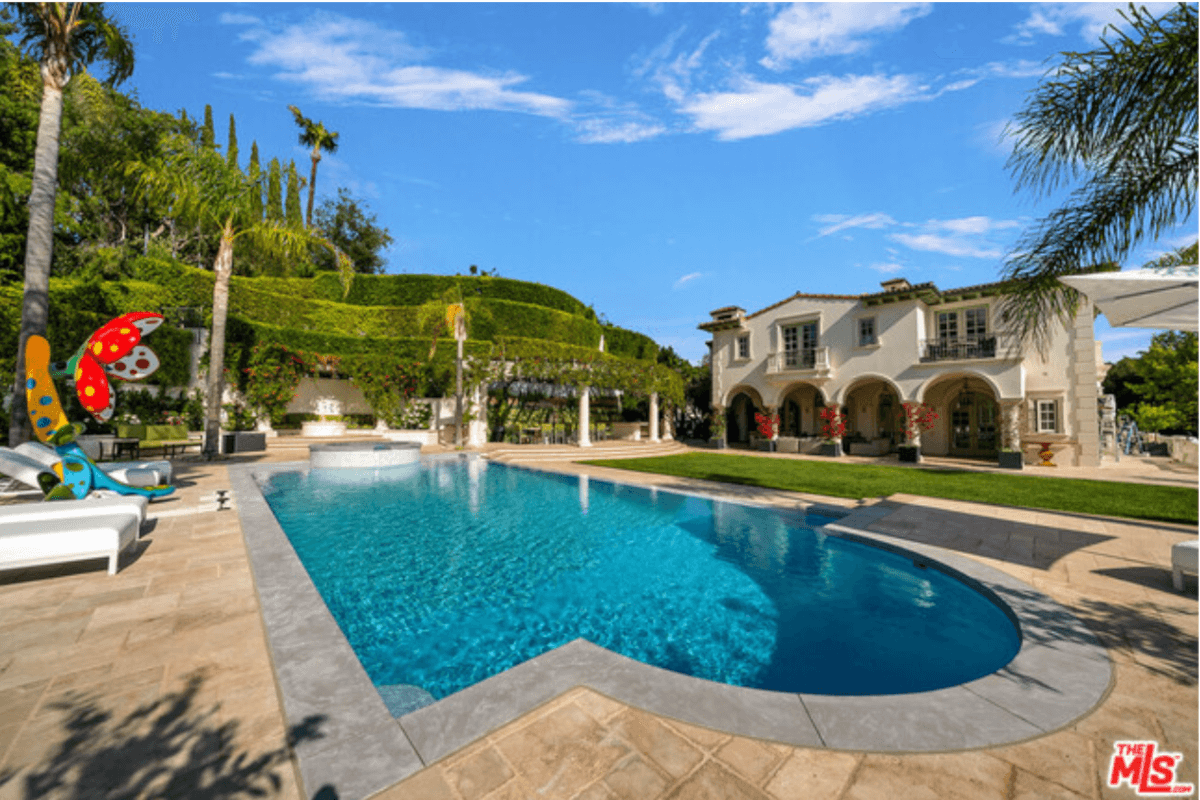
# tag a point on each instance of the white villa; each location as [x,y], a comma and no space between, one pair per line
[868,354]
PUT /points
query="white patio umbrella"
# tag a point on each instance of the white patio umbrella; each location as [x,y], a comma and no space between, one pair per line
[1144,298]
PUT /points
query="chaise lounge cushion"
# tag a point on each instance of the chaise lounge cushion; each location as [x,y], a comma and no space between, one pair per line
[134,505]
[32,542]
[119,470]
[1184,558]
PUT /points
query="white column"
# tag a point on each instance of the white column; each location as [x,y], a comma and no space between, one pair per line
[654,416]
[584,421]
[477,429]
[583,493]
[1010,415]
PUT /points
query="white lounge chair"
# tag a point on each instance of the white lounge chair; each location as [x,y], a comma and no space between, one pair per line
[134,505]
[26,470]
[56,540]
[1184,559]
[133,473]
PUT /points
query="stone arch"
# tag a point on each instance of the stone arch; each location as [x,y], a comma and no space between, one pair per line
[918,395]
[800,406]
[742,402]
[872,405]
[968,407]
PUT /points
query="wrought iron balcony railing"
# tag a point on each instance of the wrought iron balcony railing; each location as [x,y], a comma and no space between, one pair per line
[956,349]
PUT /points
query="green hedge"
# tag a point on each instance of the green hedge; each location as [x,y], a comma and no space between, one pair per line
[77,310]
[413,290]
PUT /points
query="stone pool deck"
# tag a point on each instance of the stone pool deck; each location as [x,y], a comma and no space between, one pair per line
[158,681]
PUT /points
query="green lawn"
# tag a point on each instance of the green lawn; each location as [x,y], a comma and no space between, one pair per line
[1108,498]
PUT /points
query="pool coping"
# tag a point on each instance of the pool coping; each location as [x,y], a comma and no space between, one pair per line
[1059,674]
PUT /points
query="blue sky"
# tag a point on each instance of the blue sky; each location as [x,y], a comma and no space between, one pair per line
[657,161]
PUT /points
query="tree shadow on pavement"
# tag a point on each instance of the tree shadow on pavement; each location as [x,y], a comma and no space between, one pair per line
[168,748]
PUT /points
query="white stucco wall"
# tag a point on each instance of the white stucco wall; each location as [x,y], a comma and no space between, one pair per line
[1015,378]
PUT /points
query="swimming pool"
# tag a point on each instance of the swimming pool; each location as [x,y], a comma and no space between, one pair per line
[445,573]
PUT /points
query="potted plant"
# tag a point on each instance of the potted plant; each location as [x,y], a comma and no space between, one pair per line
[717,429]
[1011,459]
[833,429]
[768,426]
[916,418]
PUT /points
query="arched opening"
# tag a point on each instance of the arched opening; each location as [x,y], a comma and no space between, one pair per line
[973,423]
[739,417]
[800,412]
[968,424]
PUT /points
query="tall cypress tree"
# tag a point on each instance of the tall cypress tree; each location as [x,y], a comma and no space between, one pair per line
[232,148]
[274,192]
[256,203]
[208,138]
[295,217]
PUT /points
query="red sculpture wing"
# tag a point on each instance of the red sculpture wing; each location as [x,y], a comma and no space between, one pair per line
[117,338]
[91,385]
[140,363]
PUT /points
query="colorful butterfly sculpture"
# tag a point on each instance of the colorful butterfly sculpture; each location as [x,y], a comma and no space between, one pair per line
[116,349]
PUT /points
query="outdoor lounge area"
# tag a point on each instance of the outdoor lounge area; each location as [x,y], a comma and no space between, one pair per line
[167,663]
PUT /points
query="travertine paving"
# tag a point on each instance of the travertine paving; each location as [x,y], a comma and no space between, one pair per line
[158,681]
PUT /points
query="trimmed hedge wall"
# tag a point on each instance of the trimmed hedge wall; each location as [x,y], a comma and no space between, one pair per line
[77,310]
[316,304]
[309,314]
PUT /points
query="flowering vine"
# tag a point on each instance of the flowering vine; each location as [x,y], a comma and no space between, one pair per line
[834,427]
[916,418]
[768,424]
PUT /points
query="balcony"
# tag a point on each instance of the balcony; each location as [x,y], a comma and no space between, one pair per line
[811,362]
[958,349]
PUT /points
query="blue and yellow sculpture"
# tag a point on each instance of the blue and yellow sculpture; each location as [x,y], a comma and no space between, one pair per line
[115,349]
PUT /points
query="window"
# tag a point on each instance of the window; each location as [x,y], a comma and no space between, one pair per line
[743,346]
[976,323]
[866,332]
[799,345]
[1047,416]
[947,325]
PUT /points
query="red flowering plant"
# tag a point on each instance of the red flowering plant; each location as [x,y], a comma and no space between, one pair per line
[271,378]
[768,425]
[916,418]
[834,427]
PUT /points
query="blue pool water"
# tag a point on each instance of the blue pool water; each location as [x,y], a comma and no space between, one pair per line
[445,573]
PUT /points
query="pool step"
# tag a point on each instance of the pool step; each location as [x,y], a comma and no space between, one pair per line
[598,450]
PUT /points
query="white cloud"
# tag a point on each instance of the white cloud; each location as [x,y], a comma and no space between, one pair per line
[967,226]
[609,131]
[839,222]
[952,246]
[1053,19]
[345,59]
[759,109]
[809,30]
[887,267]
[686,279]
[965,236]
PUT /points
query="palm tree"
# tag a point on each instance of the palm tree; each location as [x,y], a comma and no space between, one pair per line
[197,185]
[65,38]
[313,134]
[1123,118]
